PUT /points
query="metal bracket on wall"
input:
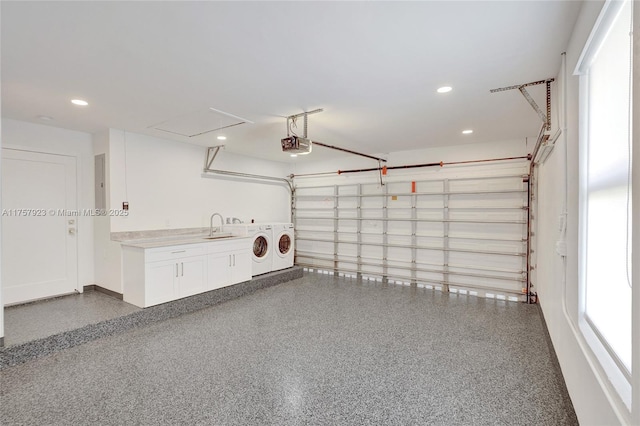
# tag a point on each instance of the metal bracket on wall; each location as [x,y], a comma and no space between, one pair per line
[546,118]
[213,151]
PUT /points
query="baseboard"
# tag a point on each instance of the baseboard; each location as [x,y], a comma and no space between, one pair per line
[94,287]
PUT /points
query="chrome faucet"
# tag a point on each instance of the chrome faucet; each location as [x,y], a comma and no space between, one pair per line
[211,223]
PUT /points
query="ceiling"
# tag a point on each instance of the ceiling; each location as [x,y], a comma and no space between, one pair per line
[373,66]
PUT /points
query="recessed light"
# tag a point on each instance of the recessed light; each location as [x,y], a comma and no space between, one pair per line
[79,102]
[294,155]
[467,132]
[44,118]
[444,89]
[222,138]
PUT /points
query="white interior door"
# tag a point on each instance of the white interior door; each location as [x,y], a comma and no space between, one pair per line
[39,251]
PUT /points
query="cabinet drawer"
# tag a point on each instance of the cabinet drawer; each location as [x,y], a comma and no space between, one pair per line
[226,246]
[175,252]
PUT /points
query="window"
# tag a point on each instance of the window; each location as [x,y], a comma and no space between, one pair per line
[605,144]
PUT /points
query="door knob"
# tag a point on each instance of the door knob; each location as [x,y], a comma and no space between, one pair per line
[72,231]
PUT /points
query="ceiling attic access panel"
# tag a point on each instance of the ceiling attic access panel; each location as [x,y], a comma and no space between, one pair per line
[200,123]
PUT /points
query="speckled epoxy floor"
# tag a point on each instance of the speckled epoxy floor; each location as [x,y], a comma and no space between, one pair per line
[317,350]
[31,321]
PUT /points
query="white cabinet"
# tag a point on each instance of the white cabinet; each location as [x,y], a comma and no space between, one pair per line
[241,270]
[219,265]
[192,276]
[229,263]
[154,275]
[162,278]
[158,275]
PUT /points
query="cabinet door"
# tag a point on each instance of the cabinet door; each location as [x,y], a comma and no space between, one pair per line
[160,282]
[241,270]
[193,272]
[219,270]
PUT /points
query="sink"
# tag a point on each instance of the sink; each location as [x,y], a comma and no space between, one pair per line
[218,235]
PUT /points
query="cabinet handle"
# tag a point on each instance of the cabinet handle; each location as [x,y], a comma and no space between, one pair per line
[234,260]
[176,270]
[182,264]
[180,251]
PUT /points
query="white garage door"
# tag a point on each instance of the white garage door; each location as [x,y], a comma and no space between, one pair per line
[464,231]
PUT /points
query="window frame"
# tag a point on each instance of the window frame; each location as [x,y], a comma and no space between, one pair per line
[617,373]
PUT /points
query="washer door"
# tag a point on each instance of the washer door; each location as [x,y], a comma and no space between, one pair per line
[284,244]
[260,247]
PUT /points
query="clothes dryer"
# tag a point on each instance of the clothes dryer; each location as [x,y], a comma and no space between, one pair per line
[283,244]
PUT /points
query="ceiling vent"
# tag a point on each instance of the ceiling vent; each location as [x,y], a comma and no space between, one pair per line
[200,123]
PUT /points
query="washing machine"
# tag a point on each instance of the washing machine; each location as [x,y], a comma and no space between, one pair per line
[262,235]
[283,246]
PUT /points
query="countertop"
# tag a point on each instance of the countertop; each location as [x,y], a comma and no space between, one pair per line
[177,241]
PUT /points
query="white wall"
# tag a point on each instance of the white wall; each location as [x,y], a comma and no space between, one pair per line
[108,267]
[1,302]
[40,138]
[594,401]
[635,249]
[163,183]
